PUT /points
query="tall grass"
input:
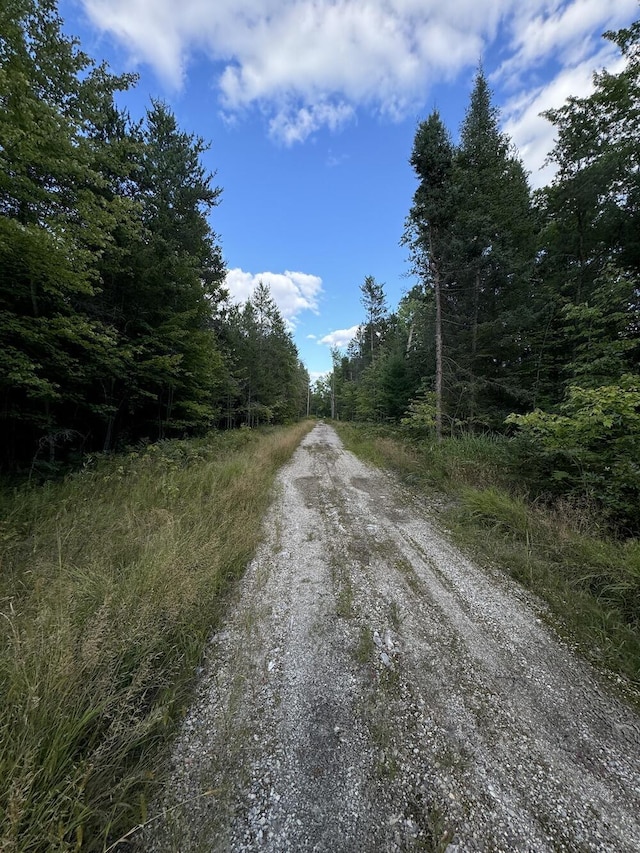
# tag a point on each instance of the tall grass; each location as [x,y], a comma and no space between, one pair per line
[110,583]
[561,550]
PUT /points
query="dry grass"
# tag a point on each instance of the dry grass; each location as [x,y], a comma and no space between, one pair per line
[110,584]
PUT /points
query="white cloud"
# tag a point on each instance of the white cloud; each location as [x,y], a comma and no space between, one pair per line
[292,292]
[534,135]
[312,337]
[334,160]
[340,338]
[291,125]
[307,63]
[310,64]
[568,32]
[314,375]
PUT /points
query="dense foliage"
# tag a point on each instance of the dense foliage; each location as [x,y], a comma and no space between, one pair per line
[526,317]
[114,326]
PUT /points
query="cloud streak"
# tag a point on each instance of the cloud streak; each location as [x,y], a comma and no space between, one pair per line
[532,134]
[312,65]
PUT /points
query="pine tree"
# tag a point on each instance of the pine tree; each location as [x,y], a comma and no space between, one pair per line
[176,269]
[429,226]
[374,304]
[491,266]
[54,221]
[270,382]
[590,247]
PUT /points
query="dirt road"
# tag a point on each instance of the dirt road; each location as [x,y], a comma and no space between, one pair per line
[374,691]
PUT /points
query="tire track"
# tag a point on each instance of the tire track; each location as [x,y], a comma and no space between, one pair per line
[374,690]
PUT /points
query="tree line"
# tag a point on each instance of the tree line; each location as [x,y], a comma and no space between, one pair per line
[115,326]
[526,316]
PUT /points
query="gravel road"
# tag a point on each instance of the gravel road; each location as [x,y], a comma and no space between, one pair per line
[375,691]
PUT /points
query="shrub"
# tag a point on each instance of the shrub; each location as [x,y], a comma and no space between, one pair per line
[591,448]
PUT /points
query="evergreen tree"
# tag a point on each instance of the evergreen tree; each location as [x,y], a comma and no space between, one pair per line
[490,269]
[110,275]
[470,234]
[374,304]
[428,232]
[590,246]
[178,275]
[54,221]
[270,382]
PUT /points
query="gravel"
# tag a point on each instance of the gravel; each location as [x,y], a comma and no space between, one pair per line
[373,690]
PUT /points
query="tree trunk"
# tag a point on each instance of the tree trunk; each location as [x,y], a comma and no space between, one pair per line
[333,395]
[410,339]
[371,333]
[436,287]
[436,284]
[474,348]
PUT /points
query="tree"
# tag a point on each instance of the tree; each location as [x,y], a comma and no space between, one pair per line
[428,226]
[491,267]
[585,441]
[374,304]
[110,274]
[470,232]
[179,280]
[270,381]
[590,247]
[591,447]
[54,222]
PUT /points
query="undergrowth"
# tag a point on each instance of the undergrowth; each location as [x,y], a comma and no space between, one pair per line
[561,549]
[110,584]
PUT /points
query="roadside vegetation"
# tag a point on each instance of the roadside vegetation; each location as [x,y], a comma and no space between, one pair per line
[111,582]
[115,325]
[561,548]
[507,377]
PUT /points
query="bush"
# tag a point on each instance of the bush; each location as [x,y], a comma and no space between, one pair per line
[590,449]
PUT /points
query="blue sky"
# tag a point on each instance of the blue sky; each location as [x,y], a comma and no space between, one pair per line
[311,106]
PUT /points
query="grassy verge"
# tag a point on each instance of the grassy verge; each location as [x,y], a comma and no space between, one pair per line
[110,583]
[590,581]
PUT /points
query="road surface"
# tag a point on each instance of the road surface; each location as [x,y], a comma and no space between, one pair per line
[375,691]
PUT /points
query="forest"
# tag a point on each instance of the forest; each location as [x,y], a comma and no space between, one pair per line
[114,321]
[116,329]
[525,322]
[504,388]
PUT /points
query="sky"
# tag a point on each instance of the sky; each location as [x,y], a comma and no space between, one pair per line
[311,106]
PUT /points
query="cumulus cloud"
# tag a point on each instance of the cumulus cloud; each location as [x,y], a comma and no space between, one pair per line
[340,338]
[307,64]
[295,125]
[314,375]
[292,292]
[311,64]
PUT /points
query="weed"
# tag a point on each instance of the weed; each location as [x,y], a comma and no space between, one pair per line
[344,601]
[437,835]
[112,581]
[394,615]
[364,649]
[406,569]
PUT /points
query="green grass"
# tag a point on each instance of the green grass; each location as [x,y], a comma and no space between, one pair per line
[561,551]
[591,582]
[111,582]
